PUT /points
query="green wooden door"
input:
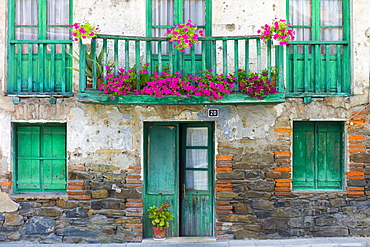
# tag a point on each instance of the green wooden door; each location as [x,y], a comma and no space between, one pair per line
[178,170]
[40,158]
[318,155]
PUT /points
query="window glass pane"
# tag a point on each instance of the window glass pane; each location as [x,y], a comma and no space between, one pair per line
[58,12]
[195,10]
[26,33]
[58,33]
[300,12]
[331,34]
[26,12]
[197,180]
[303,34]
[331,13]
[196,158]
[197,137]
[163,13]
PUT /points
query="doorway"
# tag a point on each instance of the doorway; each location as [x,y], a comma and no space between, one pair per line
[178,169]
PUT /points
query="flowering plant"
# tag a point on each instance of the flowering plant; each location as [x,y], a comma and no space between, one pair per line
[184,34]
[160,215]
[161,84]
[257,86]
[279,31]
[83,31]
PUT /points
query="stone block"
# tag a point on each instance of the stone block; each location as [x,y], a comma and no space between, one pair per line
[360,157]
[241,208]
[324,221]
[255,228]
[7,204]
[286,212]
[338,202]
[79,175]
[77,232]
[249,219]
[252,194]
[128,193]
[277,175]
[104,168]
[365,204]
[49,211]
[13,220]
[96,204]
[262,185]
[77,212]
[296,222]
[39,225]
[274,224]
[263,214]
[99,185]
[356,182]
[262,205]
[231,175]
[330,231]
[244,234]
[99,194]
[226,195]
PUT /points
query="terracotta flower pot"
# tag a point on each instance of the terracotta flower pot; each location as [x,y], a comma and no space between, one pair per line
[159,234]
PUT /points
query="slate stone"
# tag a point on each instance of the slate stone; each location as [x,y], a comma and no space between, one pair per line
[49,211]
[244,234]
[234,175]
[330,231]
[9,229]
[76,232]
[78,175]
[262,205]
[285,212]
[365,204]
[241,208]
[262,185]
[263,214]
[24,207]
[360,157]
[13,220]
[128,193]
[252,194]
[238,218]
[39,225]
[324,221]
[99,194]
[274,224]
[77,212]
[96,204]
[356,183]
[296,222]
[338,202]
[99,185]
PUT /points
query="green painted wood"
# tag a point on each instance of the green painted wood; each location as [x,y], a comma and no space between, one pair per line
[259,60]
[38,68]
[94,98]
[317,155]
[40,157]
[224,57]
[161,172]
[331,72]
[196,193]
[236,64]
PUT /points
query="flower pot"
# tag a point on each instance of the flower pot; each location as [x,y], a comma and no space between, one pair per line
[86,41]
[159,234]
[275,42]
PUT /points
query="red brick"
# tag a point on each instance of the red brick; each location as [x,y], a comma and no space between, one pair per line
[281,169]
[76,192]
[129,214]
[282,153]
[132,186]
[283,130]
[283,180]
[224,190]
[76,187]
[283,193]
[357,150]
[282,185]
[75,182]
[134,167]
[356,177]
[224,181]
[79,197]
[355,193]
[224,207]
[135,200]
[222,202]
[224,157]
[282,189]
[5,183]
[133,177]
[355,188]
[224,212]
[356,138]
[224,169]
[224,185]
[134,205]
[355,173]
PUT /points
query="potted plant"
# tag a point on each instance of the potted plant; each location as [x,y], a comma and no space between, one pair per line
[279,32]
[99,65]
[160,220]
[184,34]
[84,32]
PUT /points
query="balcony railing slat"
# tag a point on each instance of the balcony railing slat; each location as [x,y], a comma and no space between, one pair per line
[171,62]
[192,63]
[116,53]
[327,68]
[213,57]
[41,58]
[137,57]
[317,71]
[160,60]
[339,69]
[295,64]
[94,64]
[259,61]
[82,67]
[105,58]
[269,59]
[236,63]
[246,62]
[30,70]
[127,54]
[64,62]
[279,62]
[306,68]
[224,57]
[204,46]
[52,72]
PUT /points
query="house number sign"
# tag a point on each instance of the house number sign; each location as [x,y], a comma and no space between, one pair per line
[213,112]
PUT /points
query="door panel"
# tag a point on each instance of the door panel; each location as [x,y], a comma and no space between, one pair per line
[178,170]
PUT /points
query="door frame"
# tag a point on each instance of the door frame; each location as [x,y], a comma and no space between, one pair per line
[212,181]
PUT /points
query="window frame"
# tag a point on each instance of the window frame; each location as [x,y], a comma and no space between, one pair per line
[316,155]
[178,18]
[16,167]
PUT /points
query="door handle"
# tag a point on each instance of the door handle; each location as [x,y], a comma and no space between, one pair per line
[183,191]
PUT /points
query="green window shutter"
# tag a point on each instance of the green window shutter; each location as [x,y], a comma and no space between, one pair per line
[303,157]
[28,163]
[329,156]
[54,153]
[317,155]
[40,157]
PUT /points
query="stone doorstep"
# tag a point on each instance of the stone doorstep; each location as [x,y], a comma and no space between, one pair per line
[180,240]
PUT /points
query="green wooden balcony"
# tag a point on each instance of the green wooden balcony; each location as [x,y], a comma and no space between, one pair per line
[318,69]
[222,55]
[38,67]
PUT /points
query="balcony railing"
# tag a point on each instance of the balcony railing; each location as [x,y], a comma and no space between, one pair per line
[38,67]
[222,55]
[318,69]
